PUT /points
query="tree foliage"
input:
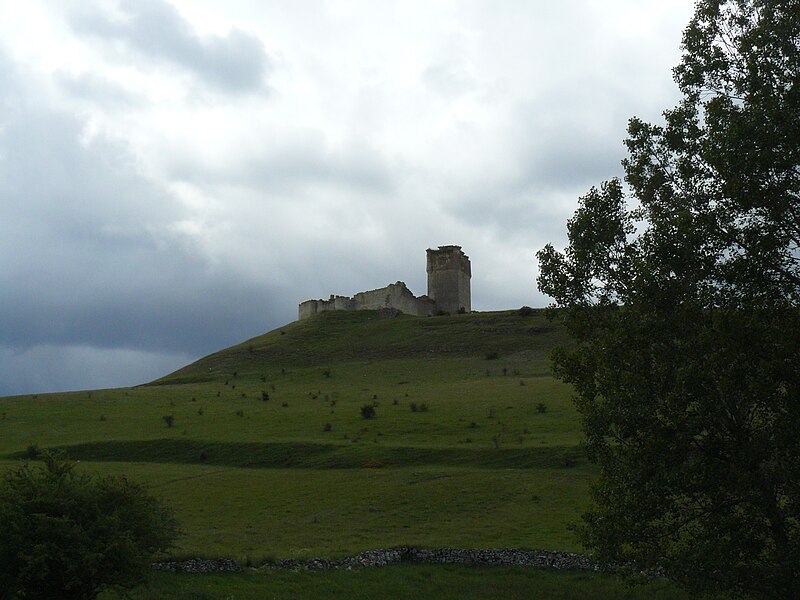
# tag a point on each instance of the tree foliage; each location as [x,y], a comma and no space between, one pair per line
[69,535]
[684,308]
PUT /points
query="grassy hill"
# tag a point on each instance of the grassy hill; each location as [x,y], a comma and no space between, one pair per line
[263,451]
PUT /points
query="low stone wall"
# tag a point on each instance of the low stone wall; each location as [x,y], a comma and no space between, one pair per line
[541,559]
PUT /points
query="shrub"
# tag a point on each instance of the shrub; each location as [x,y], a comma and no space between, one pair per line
[240,413]
[541,407]
[368,411]
[169,420]
[414,407]
[492,356]
[423,407]
[525,311]
[326,373]
[70,536]
[32,452]
[327,427]
[264,397]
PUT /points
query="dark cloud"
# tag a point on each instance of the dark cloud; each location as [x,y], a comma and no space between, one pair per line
[236,62]
[92,265]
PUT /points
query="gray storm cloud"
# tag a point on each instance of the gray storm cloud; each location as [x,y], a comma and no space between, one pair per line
[176,176]
[236,62]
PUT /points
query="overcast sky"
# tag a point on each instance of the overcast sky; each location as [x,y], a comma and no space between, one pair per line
[175,176]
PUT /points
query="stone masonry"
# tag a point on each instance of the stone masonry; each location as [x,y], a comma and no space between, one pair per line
[449,274]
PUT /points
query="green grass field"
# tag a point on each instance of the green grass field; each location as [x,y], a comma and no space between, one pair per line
[473,442]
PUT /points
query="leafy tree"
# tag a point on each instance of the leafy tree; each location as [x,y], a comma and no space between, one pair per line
[684,310]
[69,535]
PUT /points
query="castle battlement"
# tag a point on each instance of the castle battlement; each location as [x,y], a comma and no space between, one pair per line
[449,274]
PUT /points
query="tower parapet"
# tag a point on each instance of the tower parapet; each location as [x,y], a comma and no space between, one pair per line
[449,275]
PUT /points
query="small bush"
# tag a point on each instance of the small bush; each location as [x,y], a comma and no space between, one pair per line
[32,452]
[414,407]
[423,407]
[473,425]
[327,427]
[240,413]
[169,420]
[368,411]
[541,407]
[492,356]
[203,456]
[264,397]
[326,373]
[200,411]
[103,418]
[525,311]
[69,535]
[284,405]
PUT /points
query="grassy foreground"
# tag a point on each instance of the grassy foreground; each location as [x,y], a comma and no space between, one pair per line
[264,453]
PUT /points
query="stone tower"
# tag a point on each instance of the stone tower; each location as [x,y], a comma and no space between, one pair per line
[449,274]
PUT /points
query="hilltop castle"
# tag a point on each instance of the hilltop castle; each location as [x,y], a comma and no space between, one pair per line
[449,275]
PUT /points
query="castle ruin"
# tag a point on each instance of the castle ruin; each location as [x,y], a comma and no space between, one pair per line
[449,276]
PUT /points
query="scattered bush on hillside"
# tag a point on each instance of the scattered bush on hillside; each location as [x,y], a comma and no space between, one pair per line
[541,407]
[70,536]
[264,397]
[496,440]
[395,402]
[423,407]
[492,356]
[169,420]
[368,411]
[240,413]
[200,411]
[102,418]
[525,311]
[414,407]
[326,373]
[473,425]
[284,405]
[203,456]
[490,412]
[327,427]
[32,452]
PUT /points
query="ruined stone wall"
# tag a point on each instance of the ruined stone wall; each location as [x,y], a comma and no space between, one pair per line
[395,295]
[449,274]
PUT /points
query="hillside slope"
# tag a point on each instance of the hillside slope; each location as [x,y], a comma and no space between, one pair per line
[335,337]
